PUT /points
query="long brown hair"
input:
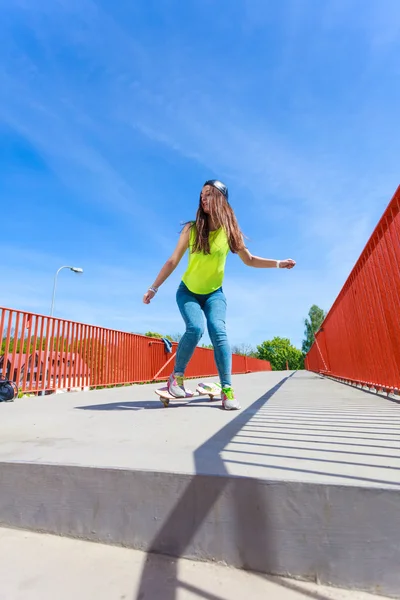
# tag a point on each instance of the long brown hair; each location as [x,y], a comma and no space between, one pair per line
[223,216]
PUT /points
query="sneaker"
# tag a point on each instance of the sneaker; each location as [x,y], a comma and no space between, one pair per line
[229,401]
[175,386]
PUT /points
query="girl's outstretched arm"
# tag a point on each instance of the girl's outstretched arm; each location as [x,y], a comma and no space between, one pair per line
[264,263]
[170,265]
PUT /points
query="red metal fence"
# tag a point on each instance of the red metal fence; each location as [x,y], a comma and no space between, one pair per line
[43,353]
[359,340]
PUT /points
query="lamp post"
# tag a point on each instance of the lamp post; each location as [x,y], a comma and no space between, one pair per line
[75,270]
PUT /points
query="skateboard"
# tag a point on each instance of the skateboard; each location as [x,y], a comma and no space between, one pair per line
[210,389]
[165,396]
[203,389]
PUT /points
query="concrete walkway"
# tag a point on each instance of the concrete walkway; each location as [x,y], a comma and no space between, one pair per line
[304,481]
[298,428]
[43,567]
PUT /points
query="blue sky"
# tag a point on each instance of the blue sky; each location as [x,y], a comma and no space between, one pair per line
[112,115]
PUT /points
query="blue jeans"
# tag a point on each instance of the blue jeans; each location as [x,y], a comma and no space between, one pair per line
[214,307]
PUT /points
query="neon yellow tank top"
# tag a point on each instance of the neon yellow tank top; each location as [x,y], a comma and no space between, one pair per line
[205,272]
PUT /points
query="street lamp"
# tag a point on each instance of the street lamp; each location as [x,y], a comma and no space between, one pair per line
[78,270]
[75,270]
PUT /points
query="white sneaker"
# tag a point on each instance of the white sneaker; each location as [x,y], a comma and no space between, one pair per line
[175,386]
[229,401]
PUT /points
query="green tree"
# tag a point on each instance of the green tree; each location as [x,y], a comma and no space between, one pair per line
[40,344]
[154,334]
[279,350]
[94,354]
[313,322]
[10,347]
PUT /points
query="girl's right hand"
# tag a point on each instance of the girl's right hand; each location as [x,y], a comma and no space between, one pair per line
[289,263]
[149,295]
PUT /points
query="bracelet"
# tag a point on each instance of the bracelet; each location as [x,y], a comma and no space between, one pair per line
[153,289]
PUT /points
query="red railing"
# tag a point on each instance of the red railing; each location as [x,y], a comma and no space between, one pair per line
[359,340]
[43,353]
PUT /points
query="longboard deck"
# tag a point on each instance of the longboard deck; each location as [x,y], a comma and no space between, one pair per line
[212,389]
[201,390]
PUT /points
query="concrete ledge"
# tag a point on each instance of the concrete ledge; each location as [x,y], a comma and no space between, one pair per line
[340,535]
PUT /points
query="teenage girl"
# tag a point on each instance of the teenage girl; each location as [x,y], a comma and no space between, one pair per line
[209,238]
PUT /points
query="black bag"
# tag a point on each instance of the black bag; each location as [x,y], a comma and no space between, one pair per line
[8,390]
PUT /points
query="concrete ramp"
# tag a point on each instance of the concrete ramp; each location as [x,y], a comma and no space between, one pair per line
[303,482]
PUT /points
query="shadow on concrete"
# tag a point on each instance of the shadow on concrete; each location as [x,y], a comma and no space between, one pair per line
[161,585]
[325,436]
[318,429]
[322,436]
[139,405]
[301,448]
[351,478]
[252,518]
[290,584]
[314,459]
[382,395]
[149,405]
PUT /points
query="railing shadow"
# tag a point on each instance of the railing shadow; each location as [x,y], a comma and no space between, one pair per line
[183,522]
[327,436]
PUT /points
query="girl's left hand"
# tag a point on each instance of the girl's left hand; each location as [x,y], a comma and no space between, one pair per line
[289,263]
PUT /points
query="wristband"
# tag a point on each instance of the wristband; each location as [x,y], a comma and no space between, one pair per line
[153,289]
[278,264]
